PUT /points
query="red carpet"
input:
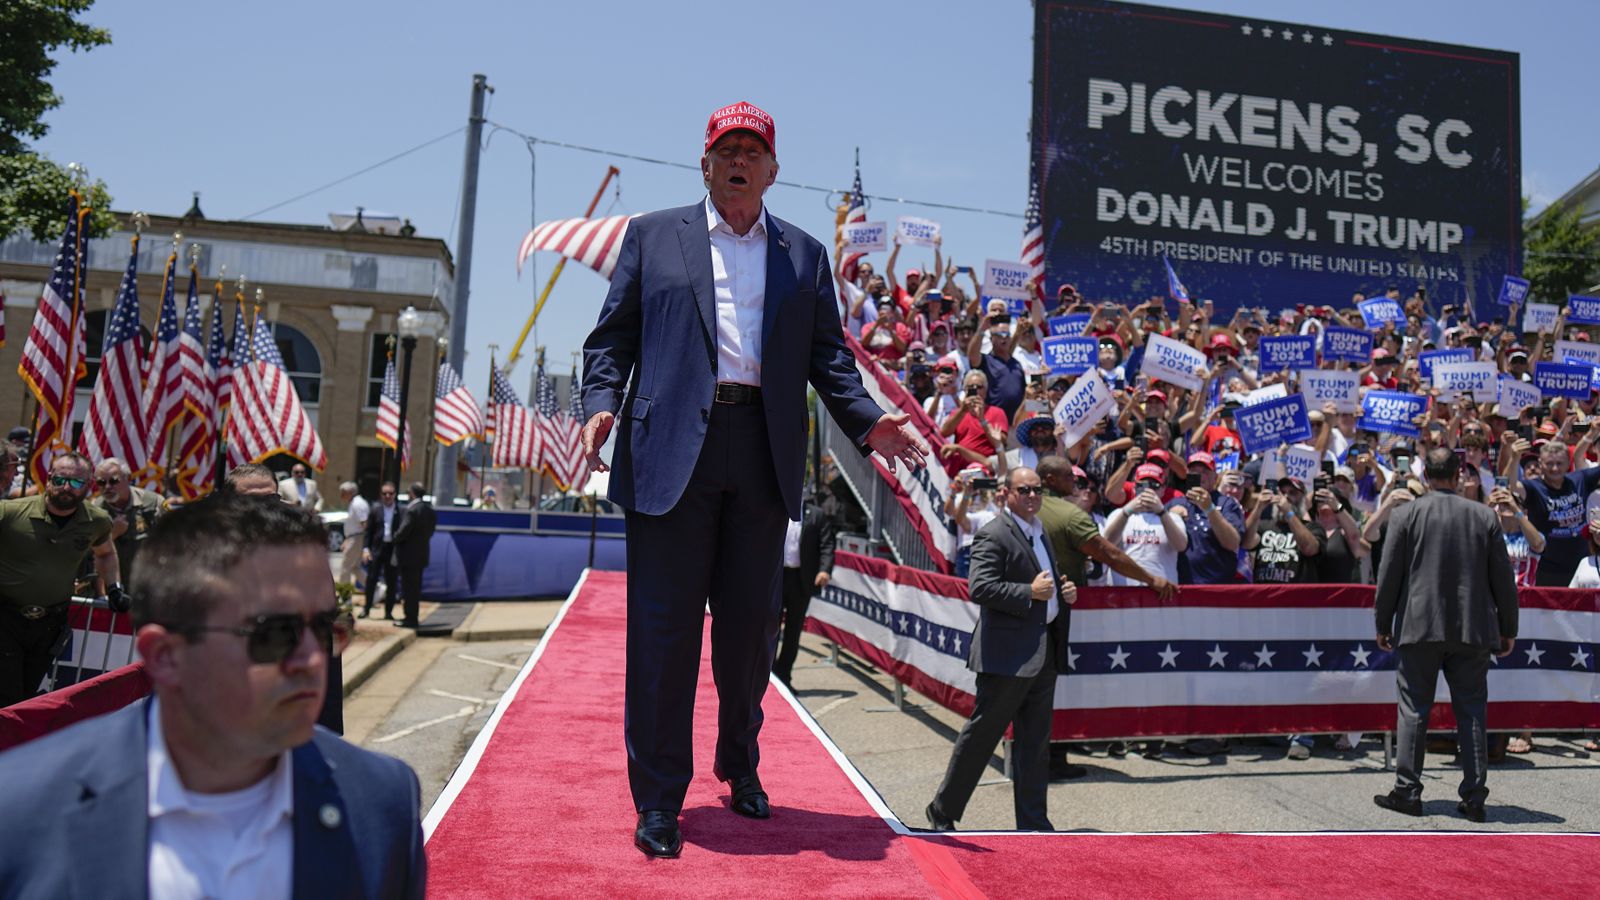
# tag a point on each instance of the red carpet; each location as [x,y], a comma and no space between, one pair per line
[540,807]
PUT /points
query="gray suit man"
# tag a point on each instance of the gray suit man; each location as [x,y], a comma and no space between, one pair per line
[1018,648]
[1446,582]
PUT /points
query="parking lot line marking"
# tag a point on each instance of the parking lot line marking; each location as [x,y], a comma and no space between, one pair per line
[488,662]
[463,711]
[832,705]
[450,696]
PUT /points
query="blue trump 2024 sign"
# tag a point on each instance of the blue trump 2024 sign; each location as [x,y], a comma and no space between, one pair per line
[1512,290]
[1346,345]
[1391,412]
[1430,358]
[1068,326]
[1266,425]
[1070,355]
[1583,310]
[1293,351]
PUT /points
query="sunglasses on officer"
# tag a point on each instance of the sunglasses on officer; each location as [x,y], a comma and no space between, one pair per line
[63,481]
[1028,490]
[271,639]
[109,482]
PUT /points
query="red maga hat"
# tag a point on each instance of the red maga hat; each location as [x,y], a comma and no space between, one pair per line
[742,116]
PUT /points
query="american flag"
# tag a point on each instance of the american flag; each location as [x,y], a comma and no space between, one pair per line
[456,416]
[856,213]
[1033,235]
[389,414]
[114,425]
[593,242]
[267,417]
[165,386]
[516,440]
[197,458]
[192,354]
[563,443]
[53,358]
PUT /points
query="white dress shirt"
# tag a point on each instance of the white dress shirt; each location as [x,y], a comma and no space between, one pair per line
[791,546]
[238,844]
[739,283]
[358,510]
[388,512]
[1035,534]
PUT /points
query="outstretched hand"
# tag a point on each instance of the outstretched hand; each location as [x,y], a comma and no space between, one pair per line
[595,432]
[894,440]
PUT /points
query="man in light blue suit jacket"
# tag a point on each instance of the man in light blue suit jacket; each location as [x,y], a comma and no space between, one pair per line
[221,784]
[718,317]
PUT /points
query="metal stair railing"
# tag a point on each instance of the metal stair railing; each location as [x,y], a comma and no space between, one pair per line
[887,520]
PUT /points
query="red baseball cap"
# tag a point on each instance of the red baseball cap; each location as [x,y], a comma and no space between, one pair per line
[1159,455]
[1203,459]
[745,117]
[1149,472]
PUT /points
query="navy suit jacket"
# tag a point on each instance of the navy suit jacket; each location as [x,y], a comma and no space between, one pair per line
[78,816]
[652,357]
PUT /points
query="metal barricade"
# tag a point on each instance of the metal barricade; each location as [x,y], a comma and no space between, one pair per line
[100,640]
[888,520]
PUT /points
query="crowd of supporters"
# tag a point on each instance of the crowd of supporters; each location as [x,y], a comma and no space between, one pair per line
[1166,476]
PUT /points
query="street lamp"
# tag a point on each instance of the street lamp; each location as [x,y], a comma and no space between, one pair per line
[409,326]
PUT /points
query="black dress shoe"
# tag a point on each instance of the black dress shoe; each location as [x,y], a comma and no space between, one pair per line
[749,800]
[657,834]
[938,821]
[1398,802]
[364,612]
[1473,812]
[1065,771]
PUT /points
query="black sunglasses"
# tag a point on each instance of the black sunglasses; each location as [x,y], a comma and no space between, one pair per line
[1029,491]
[273,638]
[63,481]
[108,482]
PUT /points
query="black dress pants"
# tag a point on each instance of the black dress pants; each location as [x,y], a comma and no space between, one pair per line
[796,599]
[722,543]
[410,592]
[1466,671]
[1026,703]
[382,567]
[27,648]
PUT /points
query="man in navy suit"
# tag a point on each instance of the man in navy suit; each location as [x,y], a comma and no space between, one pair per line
[220,785]
[719,314]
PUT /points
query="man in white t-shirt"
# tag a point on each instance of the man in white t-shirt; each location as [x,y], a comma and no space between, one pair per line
[1150,533]
[355,528]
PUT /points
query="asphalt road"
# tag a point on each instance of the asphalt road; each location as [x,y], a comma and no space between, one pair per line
[428,703]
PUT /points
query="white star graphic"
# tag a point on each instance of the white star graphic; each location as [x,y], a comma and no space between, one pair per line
[1072,659]
[957,642]
[1288,35]
[941,640]
[1306,36]
[1245,29]
[1266,31]
[1169,657]
[1361,653]
[1535,655]
[1580,659]
[1119,658]
[919,628]
[905,622]
[1218,655]
[1313,656]
[1327,40]
[1264,656]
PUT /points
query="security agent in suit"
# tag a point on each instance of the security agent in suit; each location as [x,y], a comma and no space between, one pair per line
[300,490]
[383,522]
[220,784]
[1018,648]
[1446,582]
[810,572]
[412,534]
[718,316]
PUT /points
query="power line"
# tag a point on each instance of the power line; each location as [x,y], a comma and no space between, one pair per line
[337,181]
[794,184]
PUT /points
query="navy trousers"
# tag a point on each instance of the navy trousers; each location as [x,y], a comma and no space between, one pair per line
[722,543]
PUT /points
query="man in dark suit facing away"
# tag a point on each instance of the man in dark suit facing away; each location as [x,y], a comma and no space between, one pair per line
[718,316]
[411,537]
[807,568]
[220,784]
[1446,599]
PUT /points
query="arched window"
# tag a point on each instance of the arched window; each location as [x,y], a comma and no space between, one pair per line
[303,362]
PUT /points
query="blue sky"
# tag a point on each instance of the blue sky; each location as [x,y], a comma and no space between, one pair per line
[255,103]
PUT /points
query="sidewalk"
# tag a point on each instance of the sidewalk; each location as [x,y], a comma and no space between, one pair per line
[377,642]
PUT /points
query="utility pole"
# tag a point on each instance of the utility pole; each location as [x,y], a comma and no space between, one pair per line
[444,478]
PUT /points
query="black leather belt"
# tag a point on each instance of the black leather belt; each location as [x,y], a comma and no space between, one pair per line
[735,393]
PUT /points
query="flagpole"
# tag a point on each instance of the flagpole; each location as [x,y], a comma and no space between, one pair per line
[488,444]
[516,348]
